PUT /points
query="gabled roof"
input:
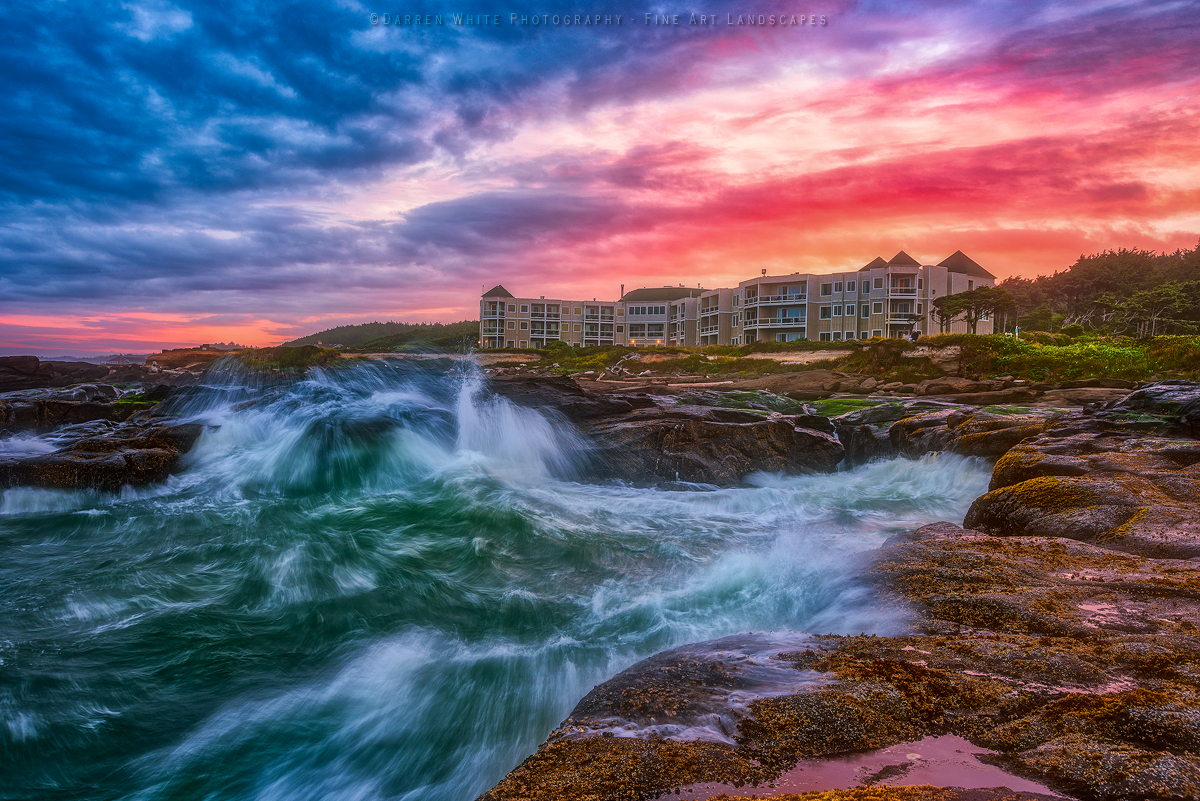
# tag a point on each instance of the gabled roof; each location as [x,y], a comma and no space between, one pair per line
[497,292]
[878,262]
[661,293]
[959,262]
[905,259]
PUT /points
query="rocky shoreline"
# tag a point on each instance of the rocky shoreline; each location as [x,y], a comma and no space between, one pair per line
[1058,635]
[1051,640]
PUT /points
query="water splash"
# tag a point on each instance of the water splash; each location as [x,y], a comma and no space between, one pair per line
[380,581]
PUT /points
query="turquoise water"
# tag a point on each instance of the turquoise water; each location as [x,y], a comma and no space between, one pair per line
[382,583]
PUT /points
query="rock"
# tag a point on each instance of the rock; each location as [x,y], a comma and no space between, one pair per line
[46,415]
[1174,402]
[969,432]
[1074,665]
[707,445]
[1099,482]
[864,432]
[29,372]
[565,396]
[868,384]
[953,385]
[107,463]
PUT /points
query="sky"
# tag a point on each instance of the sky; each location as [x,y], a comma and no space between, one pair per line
[179,173]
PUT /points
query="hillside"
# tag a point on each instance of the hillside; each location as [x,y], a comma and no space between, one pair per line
[378,336]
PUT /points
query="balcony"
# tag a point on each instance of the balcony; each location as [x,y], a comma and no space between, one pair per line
[780,322]
[768,300]
[712,329]
[903,291]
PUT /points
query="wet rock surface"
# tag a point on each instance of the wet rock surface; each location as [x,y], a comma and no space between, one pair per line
[1075,666]
[108,461]
[1064,639]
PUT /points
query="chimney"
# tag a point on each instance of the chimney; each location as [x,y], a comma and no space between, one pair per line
[622,290]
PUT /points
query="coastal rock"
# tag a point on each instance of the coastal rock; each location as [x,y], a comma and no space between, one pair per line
[954,385]
[707,445]
[127,457]
[565,396]
[1099,482]
[1071,664]
[1176,402]
[46,415]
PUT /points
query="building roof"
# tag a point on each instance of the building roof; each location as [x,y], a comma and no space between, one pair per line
[878,262]
[905,259]
[661,293]
[959,262]
[497,291]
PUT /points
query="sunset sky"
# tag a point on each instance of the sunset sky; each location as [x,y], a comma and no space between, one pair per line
[177,173]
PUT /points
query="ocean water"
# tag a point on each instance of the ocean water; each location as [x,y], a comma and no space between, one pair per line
[383,582]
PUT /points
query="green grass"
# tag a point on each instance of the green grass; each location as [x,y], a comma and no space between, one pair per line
[288,359]
[837,406]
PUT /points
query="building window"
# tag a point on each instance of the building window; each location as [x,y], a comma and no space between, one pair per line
[620,329]
[849,335]
[837,336]
[621,312]
[524,325]
[826,312]
[919,308]
[578,311]
[982,315]
[879,283]
[837,311]
[970,285]
[512,308]
[578,326]
[837,286]
[826,336]
[524,308]
[850,311]
[512,343]
[849,286]
[866,311]
[877,309]
[920,283]
[524,344]
[512,325]
[862,335]
[826,289]
[878,332]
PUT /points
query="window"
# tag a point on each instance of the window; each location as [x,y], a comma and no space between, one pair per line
[878,332]
[920,283]
[578,326]
[837,286]
[621,312]
[849,286]
[849,335]
[524,308]
[879,283]
[970,286]
[826,336]
[524,325]
[826,289]
[578,311]
[903,308]
[837,336]
[837,311]
[512,308]
[735,301]
[826,312]
[637,330]
[512,325]
[877,308]
[512,343]
[866,311]
[524,344]
[862,335]
[850,311]
[918,308]
[982,315]
[620,329]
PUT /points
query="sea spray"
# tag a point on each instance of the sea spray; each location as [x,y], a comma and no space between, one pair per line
[379,581]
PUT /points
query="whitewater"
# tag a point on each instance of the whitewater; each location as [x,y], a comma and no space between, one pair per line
[385,582]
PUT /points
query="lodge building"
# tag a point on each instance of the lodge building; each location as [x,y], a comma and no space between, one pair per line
[881,299]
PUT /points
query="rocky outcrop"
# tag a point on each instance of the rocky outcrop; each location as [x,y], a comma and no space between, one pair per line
[708,445]
[1067,663]
[1098,481]
[915,428]
[130,456]
[646,438]
[29,372]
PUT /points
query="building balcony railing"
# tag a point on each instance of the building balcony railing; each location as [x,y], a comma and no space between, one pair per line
[767,300]
[712,329]
[776,322]
[905,291]
[493,314]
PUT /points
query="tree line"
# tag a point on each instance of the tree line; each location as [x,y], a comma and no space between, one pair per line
[1137,293]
